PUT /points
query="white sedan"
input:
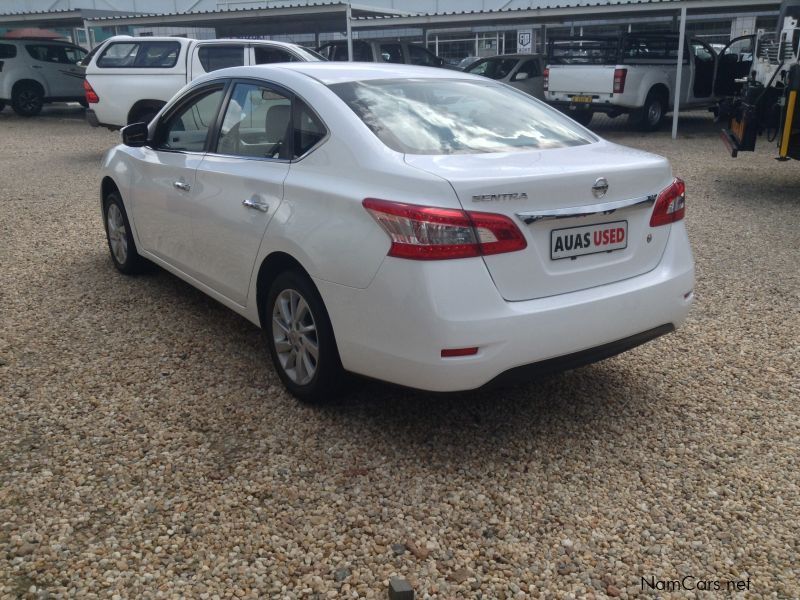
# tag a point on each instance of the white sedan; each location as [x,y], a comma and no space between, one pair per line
[420,226]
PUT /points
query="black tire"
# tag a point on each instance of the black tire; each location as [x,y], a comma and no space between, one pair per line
[291,341]
[27,99]
[119,236]
[83,103]
[2,105]
[651,115]
[584,117]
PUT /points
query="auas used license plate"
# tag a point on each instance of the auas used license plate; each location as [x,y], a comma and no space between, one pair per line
[590,239]
[581,99]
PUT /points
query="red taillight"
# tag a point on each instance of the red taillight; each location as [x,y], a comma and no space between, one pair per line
[91,95]
[430,233]
[546,79]
[670,204]
[619,80]
[453,352]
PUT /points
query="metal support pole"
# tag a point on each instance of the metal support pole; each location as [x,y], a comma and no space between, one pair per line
[476,44]
[678,76]
[349,13]
[437,45]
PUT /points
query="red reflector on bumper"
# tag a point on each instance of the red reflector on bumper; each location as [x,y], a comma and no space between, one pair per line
[451,352]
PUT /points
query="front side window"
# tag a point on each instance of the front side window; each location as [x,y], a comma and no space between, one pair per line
[493,68]
[528,70]
[266,55]
[187,129]
[213,58]
[450,116]
[418,55]
[392,53]
[257,123]
[140,55]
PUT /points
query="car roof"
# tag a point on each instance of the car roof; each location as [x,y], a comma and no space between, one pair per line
[182,40]
[502,56]
[340,72]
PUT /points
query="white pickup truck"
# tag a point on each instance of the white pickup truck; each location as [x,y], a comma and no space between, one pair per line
[129,79]
[631,73]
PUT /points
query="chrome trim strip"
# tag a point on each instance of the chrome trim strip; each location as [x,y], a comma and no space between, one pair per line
[583,211]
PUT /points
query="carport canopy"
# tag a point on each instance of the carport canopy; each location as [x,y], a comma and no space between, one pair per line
[280,19]
[593,9]
[54,18]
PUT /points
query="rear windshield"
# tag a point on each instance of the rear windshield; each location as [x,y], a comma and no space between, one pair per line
[583,51]
[139,55]
[436,116]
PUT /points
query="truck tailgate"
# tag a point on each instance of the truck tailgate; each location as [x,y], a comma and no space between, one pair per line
[581,79]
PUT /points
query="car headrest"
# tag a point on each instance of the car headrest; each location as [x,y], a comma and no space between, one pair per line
[277,121]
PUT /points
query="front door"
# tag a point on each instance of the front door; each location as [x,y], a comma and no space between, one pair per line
[57,65]
[734,62]
[240,186]
[166,188]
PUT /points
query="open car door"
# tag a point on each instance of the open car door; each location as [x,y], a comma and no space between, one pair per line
[734,62]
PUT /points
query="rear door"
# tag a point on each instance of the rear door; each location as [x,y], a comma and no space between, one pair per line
[240,186]
[528,77]
[57,64]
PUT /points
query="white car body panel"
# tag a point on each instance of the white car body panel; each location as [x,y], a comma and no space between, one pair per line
[58,80]
[391,317]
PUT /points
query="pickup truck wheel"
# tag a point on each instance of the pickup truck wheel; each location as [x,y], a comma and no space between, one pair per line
[27,100]
[652,113]
[584,117]
[2,105]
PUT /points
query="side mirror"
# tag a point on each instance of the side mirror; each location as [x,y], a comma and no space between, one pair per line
[135,135]
[520,76]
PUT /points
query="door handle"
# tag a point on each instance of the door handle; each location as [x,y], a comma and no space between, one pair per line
[250,203]
[182,186]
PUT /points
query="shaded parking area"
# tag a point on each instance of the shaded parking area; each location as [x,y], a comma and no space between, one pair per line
[147,448]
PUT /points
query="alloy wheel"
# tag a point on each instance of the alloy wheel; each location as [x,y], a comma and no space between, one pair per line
[294,334]
[117,233]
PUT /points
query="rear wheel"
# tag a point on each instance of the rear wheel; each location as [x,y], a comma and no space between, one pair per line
[27,100]
[651,115]
[119,236]
[2,105]
[300,338]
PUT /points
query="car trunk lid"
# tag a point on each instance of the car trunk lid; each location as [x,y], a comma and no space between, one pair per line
[549,195]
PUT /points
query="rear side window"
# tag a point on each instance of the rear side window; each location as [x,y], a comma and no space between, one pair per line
[7,51]
[266,55]
[493,68]
[392,53]
[220,57]
[140,55]
[309,130]
[362,52]
[256,124]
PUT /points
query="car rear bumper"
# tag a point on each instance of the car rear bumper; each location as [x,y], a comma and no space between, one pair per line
[396,328]
[601,107]
[94,120]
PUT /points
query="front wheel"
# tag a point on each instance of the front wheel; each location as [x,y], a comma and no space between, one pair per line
[300,338]
[120,239]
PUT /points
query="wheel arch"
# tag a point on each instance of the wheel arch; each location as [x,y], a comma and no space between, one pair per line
[662,90]
[274,264]
[27,81]
[142,105]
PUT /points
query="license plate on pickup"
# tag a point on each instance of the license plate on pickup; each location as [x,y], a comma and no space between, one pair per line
[589,239]
[581,99]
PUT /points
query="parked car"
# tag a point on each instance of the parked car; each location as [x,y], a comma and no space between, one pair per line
[522,71]
[466,62]
[128,80]
[34,72]
[632,73]
[424,227]
[386,52]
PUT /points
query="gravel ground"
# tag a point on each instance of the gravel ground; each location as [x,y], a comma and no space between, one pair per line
[147,448]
